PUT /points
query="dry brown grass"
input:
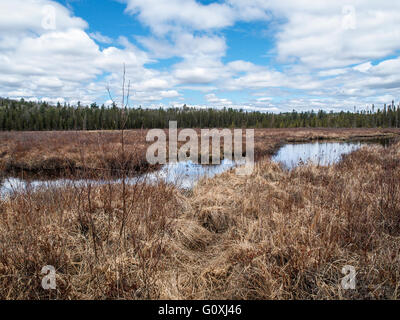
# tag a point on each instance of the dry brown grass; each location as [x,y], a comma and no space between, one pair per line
[61,153]
[272,235]
[78,231]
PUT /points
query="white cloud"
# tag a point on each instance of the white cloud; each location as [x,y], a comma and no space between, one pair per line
[364,67]
[332,72]
[166,15]
[100,37]
[264,99]
[314,32]
[212,98]
[199,75]
[241,66]
[186,45]
[27,16]
[169,94]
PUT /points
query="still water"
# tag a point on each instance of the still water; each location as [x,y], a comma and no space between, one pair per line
[322,153]
[182,174]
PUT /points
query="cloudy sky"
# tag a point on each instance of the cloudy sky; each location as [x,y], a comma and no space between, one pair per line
[271,55]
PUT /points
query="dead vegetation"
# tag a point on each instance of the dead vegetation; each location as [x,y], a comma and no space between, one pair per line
[69,153]
[273,235]
[96,251]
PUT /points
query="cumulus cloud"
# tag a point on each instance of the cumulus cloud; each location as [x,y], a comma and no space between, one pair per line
[186,45]
[331,34]
[43,63]
[212,98]
[27,16]
[100,37]
[166,15]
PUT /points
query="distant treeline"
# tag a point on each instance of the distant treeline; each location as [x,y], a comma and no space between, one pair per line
[24,115]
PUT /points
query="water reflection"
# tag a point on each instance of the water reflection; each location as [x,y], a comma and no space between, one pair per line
[182,174]
[321,153]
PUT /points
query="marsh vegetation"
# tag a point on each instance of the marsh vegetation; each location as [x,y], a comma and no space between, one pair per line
[276,234]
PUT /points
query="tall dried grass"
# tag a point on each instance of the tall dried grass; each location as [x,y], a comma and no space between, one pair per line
[78,232]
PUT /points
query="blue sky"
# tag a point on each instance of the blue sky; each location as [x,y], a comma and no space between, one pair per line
[257,55]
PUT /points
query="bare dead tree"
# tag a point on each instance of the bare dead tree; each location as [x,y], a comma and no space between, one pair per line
[124,162]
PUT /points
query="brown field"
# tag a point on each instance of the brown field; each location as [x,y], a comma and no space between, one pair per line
[272,235]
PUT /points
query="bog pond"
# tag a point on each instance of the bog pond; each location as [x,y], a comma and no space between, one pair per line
[186,174]
[320,153]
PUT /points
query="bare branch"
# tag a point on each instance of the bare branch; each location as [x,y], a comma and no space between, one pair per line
[109,94]
[127,96]
[123,86]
